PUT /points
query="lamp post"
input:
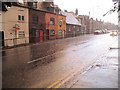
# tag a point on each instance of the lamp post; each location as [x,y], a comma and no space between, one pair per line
[93,16]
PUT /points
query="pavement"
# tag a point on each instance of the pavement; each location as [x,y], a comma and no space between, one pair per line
[102,74]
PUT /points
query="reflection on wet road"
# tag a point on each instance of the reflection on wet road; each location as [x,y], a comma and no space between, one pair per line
[40,65]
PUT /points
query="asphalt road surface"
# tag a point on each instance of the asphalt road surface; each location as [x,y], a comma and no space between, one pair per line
[62,63]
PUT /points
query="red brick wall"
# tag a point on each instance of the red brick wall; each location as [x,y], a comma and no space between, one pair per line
[51,27]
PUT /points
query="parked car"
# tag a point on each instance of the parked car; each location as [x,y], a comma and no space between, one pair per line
[96,32]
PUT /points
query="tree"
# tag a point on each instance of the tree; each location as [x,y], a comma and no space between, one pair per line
[116,7]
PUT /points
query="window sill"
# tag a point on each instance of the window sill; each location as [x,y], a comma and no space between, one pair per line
[21,21]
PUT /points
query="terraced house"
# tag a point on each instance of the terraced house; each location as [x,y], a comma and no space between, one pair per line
[31,22]
[45,22]
[55,21]
[15,25]
[61,27]
[73,26]
[37,30]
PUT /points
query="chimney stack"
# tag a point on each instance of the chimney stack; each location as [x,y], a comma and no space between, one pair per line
[76,12]
[65,10]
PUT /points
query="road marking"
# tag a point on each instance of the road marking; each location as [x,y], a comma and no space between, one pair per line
[58,81]
[60,84]
[38,59]
[69,76]
[55,83]
[64,79]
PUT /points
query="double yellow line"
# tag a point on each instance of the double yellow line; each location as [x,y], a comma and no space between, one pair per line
[64,79]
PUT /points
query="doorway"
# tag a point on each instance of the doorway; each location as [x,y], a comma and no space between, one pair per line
[41,36]
[1,39]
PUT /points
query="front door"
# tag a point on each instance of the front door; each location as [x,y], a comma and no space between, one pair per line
[41,36]
[32,35]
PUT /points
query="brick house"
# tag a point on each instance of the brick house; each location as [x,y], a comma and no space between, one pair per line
[51,25]
[37,29]
[61,26]
[48,13]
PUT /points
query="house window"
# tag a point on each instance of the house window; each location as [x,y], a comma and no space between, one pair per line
[52,32]
[60,32]
[20,18]
[21,34]
[78,28]
[35,19]
[60,22]
[52,21]
[69,29]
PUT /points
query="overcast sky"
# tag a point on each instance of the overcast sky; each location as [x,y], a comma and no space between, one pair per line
[96,8]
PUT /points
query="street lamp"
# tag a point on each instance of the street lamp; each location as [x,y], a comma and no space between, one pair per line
[92,20]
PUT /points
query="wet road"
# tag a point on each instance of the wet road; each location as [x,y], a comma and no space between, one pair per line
[46,64]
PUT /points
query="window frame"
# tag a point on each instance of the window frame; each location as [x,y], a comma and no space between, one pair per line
[60,32]
[52,21]
[60,22]
[21,17]
[21,35]
[52,32]
[35,19]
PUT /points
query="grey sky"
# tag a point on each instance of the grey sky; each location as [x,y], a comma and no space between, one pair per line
[96,8]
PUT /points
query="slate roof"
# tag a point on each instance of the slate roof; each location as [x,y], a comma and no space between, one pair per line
[70,18]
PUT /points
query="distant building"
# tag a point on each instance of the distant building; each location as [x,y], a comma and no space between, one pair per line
[85,23]
[73,26]
[80,18]
[98,25]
